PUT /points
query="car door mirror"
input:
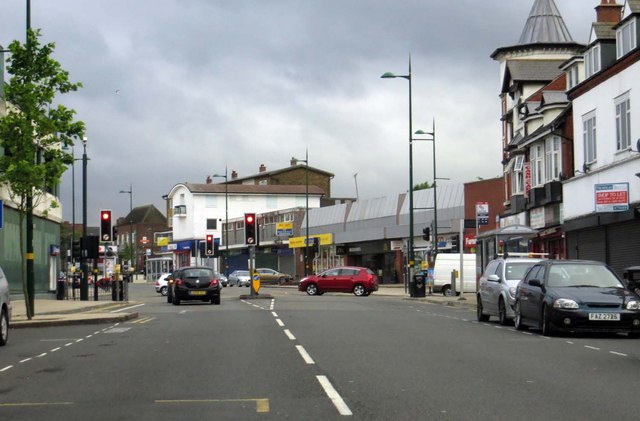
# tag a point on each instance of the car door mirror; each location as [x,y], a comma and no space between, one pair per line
[493,278]
[536,283]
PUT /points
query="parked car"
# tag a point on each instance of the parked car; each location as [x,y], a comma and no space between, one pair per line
[270,276]
[162,283]
[575,295]
[497,287]
[5,309]
[195,283]
[358,280]
[240,278]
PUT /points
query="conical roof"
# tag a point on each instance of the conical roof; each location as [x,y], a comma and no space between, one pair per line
[545,25]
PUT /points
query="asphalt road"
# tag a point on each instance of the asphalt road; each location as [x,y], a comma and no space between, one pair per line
[313,358]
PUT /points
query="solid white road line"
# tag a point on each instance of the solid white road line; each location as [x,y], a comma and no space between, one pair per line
[305,355]
[337,400]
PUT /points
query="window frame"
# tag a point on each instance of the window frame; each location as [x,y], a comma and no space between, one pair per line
[589,137]
[626,38]
[553,158]
[536,157]
[592,63]
[623,122]
[517,178]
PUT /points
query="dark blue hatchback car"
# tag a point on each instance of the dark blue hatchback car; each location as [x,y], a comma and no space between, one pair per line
[574,296]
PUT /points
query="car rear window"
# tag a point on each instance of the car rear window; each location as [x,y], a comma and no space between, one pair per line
[517,270]
[198,273]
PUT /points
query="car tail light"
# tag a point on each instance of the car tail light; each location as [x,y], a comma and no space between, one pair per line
[213,283]
[157,283]
[179,282]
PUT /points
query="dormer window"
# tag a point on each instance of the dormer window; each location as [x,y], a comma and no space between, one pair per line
[592,61]
[626,38]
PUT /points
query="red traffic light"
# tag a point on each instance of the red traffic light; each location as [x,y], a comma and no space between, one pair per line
[106,215]
[209,237]
[249,218]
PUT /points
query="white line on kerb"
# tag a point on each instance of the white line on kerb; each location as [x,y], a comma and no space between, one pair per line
[305,355]
[289,334]
[126,308]
[279,322]
[337,400]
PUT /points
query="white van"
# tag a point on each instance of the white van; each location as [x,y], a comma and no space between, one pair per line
[445,264]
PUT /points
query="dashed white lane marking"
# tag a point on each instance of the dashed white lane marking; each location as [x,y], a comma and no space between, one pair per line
[289,334]
[274,314]
[305,355]
[6,368]
[280,323]
[25,360]
[335,397]
[55,349]
[41,355]
[592,347]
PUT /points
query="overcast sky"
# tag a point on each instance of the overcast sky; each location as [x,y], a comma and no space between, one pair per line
[175,90]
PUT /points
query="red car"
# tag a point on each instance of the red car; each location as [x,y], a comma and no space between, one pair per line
[360,281]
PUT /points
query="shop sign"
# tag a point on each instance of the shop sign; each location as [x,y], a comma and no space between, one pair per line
[482,213]
[54,250]
[612,197]
[527,179]
[469,240]
[297,242]
[537,218]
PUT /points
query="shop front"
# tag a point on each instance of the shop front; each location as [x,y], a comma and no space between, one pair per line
[383,257]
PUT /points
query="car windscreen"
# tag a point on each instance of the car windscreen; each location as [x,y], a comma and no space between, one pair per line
[517,270]
[581,275]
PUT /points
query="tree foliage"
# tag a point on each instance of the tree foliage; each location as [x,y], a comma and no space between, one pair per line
[34,130]
[422,186]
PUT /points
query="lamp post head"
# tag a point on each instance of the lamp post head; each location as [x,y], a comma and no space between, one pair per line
[84,141]
[388,75]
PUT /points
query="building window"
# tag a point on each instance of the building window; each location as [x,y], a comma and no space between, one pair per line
[537,165]
[212,224]
[626,38]
[623,122]
[589,137]
[517,180]
[572,77]
[552,161]
[592,61]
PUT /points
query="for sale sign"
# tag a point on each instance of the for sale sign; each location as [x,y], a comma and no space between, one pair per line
[612,197]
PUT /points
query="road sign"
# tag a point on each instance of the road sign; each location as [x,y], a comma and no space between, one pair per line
[255,281]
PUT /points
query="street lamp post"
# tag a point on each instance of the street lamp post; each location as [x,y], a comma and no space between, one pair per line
[306,216]
[390,75]
[226,218]
[435,200]
[133,254]
[84,283]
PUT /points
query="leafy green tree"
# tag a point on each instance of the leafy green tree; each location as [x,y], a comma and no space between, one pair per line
[422,186]
[32,134]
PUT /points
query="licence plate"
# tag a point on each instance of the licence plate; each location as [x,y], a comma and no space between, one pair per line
[197,292]
[604,316]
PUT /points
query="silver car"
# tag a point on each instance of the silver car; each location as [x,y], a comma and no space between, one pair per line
[240,278]
[497,287]
[5,309]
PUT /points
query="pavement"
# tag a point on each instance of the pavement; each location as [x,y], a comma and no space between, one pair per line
[53,312]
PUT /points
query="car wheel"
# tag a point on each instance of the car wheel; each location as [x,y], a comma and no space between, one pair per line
[281,281]
[359,290]
[502,312]
[446,291]
[4,328]
[518,319]
[479,310]
[547,326]
[366,294]
[312,289]
[163,291]
[215,299]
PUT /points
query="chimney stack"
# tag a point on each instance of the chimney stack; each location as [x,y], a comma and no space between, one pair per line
[234,174]
[208,179]
[609,11]
[262,168]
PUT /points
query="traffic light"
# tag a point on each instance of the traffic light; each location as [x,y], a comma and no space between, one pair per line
[426,233]
[216,247]
[114,236]
[208,250]
[76,251]
[250,229]
[316,244]
[105,225]
[455,245]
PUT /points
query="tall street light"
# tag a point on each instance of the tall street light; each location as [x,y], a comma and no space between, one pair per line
[130,192]
[306,216]
[84,283]
[435,200]
[390,75]
[226,218]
